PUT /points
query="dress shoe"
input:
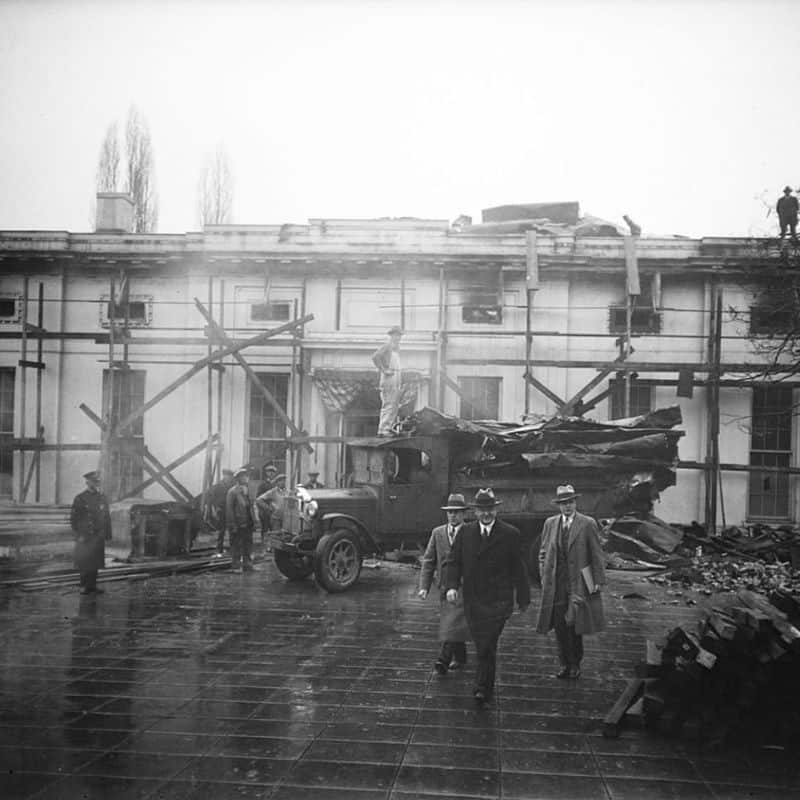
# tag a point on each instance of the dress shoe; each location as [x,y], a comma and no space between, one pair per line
[440,667]
[456,665]
[563,673]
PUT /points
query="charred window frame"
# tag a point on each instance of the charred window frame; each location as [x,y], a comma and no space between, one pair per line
[482,293]
[278,311]
[10,309]
[644,318]
[137,310]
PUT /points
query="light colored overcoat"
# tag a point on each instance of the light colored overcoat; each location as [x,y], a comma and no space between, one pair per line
[452,623]
[583,549]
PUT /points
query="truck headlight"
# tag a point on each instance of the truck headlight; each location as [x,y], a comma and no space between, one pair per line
[311,509]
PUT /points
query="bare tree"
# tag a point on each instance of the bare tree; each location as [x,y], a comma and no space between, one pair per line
[108,168]
[140,165]
[215,188]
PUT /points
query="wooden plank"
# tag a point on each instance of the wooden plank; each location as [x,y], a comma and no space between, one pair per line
[451,384]
[163,472]
[24,362]
[267,395]
[203,362]
[550,395]
[613,720]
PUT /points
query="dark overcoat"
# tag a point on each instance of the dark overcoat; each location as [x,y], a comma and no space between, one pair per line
[583,549]
[490,573]
[452,622]
[90,519]
[238,508]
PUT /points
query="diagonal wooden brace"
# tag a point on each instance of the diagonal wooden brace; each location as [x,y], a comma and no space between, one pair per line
[566,408]
[204,362]
[550,395]
[217,330]
[455,387]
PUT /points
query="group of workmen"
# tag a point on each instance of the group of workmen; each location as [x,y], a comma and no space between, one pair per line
[240,505]
[481,573]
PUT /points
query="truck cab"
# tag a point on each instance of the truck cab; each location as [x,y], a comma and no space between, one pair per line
[394,488]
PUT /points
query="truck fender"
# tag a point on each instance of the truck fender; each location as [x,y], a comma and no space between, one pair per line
[367,543]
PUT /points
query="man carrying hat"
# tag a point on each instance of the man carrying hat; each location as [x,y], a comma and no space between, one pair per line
[387,361]
[91,522]
[240,522]
[572,569]
[486,561]
[452,624]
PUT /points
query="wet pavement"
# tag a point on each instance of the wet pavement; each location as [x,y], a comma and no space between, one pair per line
[216,685]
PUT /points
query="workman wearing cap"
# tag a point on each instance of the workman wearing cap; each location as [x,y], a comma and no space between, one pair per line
[312,482]
[387,361]
[271,505]
[91,522]
[572,568]
[239,522]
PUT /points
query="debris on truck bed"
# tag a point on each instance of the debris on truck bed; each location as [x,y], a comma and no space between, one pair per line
[732,678]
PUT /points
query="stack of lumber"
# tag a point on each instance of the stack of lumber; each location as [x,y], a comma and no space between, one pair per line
[768,543]
[733,678]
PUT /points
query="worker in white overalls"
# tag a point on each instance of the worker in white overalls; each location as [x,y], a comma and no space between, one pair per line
[387,359]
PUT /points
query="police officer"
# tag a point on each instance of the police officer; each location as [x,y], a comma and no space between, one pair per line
[91,522]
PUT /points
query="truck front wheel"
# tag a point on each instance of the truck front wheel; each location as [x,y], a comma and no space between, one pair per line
[338,560]
[293,566]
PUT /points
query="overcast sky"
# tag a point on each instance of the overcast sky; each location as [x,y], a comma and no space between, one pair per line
[678,113]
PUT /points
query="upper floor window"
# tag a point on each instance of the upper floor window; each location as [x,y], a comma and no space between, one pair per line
[280,311]
[640,398]
[482,309]
[644,319]
[10,309]
[768,320]
[137,311]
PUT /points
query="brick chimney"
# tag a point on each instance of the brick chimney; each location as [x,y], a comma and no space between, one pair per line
[114,213]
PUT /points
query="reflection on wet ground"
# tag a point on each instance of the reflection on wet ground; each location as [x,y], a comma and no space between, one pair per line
[247,686]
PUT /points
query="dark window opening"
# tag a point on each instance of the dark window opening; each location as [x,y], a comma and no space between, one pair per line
[643,319]
[408,466]
[8,308]
[136,311]
[126,461]
[270,312]
[766,320]
[266,429]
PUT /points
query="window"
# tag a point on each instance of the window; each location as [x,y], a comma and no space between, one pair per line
[767,320]
[482,309]
[7,376]
[266,430]
[10,310]
[126,462]
[643,319]
[640,398]
[404,465]
[770,446]
[139,310]
[480,398]
[270,312]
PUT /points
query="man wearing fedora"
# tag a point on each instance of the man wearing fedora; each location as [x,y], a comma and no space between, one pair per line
[452,624]
[486,561]
[787,213]
[387,361]
[240,521]
[91,522]
[572,569]
[313,481]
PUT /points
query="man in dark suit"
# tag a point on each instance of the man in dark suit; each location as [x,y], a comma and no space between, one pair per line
[486,560]
[572,568]
[91,523]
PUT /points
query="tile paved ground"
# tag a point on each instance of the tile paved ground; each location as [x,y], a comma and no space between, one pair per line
[214,685]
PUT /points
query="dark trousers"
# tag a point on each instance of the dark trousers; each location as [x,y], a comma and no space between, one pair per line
[791,224]
[89,580]
[570,644]
[486,647]
[453,651]
[221,540]
[241,545]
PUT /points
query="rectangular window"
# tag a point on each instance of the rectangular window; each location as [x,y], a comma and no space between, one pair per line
[270,312]
[770,446]
[644,319]
[10,309]
[266,430]
[482,309]
[480,398]
[765,320]
[640,398]
[7,379]
[138,308]
[126,461]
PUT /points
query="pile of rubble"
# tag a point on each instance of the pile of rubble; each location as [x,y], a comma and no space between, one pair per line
[732,678]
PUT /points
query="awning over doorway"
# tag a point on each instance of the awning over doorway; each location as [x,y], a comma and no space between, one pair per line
[342,390]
